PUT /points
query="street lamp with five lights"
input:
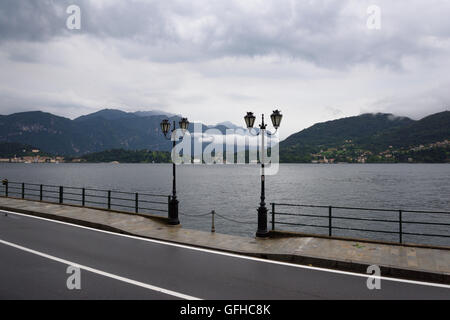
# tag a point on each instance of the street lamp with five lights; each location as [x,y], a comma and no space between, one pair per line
[262,210]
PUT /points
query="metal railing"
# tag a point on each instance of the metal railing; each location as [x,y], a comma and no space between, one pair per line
[88,197]
[347,220]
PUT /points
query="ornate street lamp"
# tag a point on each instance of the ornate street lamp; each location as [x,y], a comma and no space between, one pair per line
[262,210]
[173,203]
[249,119]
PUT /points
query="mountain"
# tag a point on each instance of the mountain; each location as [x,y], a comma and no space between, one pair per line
[114,114]
[154,113]
[372,132]
[111,129]
[43,130]
[103,130]
[14,149]
[229,125]
[433,128]
[62,136]
[107,114]
[128,156]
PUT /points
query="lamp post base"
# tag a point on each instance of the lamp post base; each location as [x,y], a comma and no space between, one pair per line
[173,212]
[262,223]
[262,234]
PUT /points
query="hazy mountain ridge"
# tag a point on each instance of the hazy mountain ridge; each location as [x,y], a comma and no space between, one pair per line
[372,132]
[114,114]
[114,129]
[103,130]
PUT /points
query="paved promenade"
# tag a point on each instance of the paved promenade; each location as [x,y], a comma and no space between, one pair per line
[417,263]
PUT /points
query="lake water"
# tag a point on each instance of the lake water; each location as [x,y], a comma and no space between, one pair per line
[233,191]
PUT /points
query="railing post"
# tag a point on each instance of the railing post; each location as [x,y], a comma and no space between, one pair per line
[213,228]
[136,203]
[400,226]
[173,211]
[273,216]
[23,190]
[83,197]
[61,194]
[330,227]
[41,187]
[5,183]
[109,199]
[168,203]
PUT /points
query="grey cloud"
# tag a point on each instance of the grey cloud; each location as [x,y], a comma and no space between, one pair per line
[334,112]
[214,60]
[330,34]
[415,104]
[31,20]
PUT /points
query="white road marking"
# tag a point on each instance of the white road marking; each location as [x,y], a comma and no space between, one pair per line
[100,272]
[239,256]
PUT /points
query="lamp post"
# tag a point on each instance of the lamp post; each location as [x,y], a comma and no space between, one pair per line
[262,210]
[173,203]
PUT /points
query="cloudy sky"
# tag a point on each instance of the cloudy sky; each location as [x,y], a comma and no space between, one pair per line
[214,60]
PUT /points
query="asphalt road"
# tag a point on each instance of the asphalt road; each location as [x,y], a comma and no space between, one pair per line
[35,254]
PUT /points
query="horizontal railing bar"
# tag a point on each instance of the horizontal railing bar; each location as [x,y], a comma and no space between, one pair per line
[122,199]
[427,223]
[358,208]
[73,194]
[70,199]
[334,217]
[50,197]
[153,195]
[160,210]
[91,189]
[73,188]
[16,188]
[87,189]
[122,205]
[156,202]
[299,205]
[96,196]
[301,224]
[298,214]
[19,183]
[49,191]
[30,189]
[95,202]
[364,219]
[104,190]
[427,235]
[366,230]
[140,194]
[44,185]
[123,192]
[417,211]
